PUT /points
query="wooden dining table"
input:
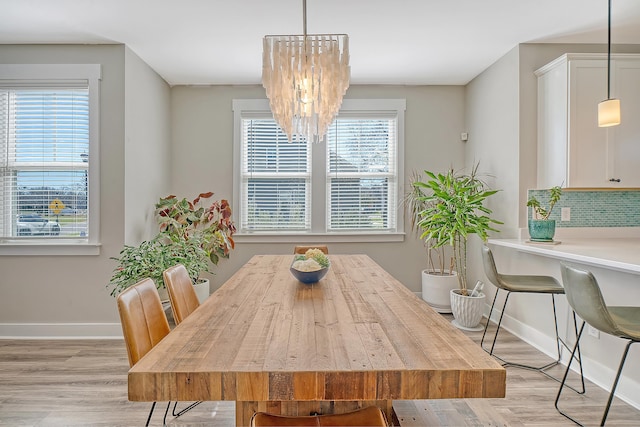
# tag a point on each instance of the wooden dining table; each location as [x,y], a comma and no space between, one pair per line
[357,337]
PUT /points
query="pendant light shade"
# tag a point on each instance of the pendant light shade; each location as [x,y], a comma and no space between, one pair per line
[609,109]
[305,77]
[609,113]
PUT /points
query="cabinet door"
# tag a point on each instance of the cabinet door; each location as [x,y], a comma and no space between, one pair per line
[587,149]
[624,150]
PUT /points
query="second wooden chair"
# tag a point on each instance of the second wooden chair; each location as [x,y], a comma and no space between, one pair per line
[184,301]
[304,249]
[371,416]
[182,296]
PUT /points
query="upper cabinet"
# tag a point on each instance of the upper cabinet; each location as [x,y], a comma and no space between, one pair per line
[572,149]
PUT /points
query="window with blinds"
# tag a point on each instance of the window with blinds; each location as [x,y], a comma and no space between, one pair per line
[44,160]
[348,184]
[276,178]
[362,173]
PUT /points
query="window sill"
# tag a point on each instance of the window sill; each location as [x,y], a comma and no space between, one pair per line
[317,237]
[50,248]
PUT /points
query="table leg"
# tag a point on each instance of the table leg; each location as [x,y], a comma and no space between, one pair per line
[245,409]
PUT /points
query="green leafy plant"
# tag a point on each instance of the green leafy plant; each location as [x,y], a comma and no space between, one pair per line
[211,223]
[191,233]
[453,208]
[151,258]
[416,202]
[540,212]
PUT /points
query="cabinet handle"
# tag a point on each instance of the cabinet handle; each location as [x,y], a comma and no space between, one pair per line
[614,180]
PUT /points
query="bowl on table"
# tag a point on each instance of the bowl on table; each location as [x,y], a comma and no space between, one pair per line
[309,277]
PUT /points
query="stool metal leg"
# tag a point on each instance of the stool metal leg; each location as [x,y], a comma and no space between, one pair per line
[566,373]
[613,387]
[615,382]
[188,408]
[559,343]
[495,297]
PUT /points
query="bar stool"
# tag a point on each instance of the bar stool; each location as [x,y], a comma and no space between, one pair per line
[585,298]
[535,284]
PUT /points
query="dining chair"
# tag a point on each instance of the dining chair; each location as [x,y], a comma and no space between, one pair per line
[304,249]
[371,416]
[183,301]
[144,323]
[534,284]
[585,297]
[182,296]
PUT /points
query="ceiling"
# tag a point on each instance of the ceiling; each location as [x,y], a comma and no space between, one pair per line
[391,42]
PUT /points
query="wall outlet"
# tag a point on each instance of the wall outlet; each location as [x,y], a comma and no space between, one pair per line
[594,332]
[565,214]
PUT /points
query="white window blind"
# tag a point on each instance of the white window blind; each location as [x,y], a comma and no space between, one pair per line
[362,173]
[44,159]
[275,179]
[346,187]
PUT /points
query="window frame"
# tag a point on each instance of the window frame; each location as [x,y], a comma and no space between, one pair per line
[255,107]
[57,74]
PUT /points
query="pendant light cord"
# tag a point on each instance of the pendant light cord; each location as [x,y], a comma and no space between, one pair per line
[608,55]
[304,17]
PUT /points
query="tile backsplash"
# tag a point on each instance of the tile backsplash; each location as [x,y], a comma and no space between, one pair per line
[594,208]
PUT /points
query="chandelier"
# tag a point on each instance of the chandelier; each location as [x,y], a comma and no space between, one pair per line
[305,77]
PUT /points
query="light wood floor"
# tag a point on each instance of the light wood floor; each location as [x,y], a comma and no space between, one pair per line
[84,383]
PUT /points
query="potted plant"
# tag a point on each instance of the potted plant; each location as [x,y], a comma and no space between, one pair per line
[541,228]
[191,233]
[454,210]
[211,223]
[152,257]
[439,278]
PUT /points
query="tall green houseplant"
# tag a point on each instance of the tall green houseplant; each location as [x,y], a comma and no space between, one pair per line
[454,209]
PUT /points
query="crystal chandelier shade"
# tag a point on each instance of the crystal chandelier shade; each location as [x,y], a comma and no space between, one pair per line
[305,78]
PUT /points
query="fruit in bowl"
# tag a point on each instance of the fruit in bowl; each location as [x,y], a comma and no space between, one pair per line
[310,267]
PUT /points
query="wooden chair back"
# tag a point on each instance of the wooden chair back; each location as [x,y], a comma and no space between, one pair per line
[144,323]
[181,293]
[303,249]
[370,416]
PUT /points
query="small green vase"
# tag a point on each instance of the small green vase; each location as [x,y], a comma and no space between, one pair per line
[542,230]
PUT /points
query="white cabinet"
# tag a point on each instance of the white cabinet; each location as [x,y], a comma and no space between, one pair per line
[572,149]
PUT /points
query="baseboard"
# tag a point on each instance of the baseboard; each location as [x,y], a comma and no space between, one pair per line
[60,331]
[597,373]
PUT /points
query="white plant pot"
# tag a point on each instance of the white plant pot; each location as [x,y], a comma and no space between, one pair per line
[436,289]
[202,289]
[164,294]
[467,310]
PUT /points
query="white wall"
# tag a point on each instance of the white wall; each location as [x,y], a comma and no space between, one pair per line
[202,155]
[66,295]
[147,147]
[54,290]
[501,115]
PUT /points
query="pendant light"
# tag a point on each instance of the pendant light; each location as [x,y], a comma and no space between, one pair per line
[609,109]
[305,77]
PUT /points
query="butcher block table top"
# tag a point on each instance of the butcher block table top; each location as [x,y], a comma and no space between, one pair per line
[357,335]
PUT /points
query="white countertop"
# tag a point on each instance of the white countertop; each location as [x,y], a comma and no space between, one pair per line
[621,254]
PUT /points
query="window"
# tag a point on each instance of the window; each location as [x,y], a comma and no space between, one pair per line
[48,154]
[345,186]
